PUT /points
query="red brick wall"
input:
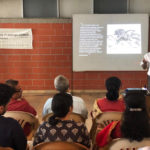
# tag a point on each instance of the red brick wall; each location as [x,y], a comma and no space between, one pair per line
[51,56]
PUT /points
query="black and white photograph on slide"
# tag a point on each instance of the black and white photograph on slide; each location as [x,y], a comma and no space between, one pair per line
[124,39]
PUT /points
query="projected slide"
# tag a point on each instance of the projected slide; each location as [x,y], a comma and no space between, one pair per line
[109,42]
[124,39]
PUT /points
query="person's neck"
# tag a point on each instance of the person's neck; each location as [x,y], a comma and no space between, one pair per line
[65,118]
[17,99]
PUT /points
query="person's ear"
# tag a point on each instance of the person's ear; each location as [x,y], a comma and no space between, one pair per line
[68,90]
[2,108]
[70,109]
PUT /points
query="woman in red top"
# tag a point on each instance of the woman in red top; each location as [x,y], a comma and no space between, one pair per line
[111,102]
[134,124]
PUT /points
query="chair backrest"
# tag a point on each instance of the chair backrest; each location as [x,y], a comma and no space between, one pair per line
[101,121]
[144,148]
[23,118]
[6,148]
[73,116]
[59,146]
[107,117]
[125,144]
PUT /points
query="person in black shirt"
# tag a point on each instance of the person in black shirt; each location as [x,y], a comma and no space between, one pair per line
[11,133]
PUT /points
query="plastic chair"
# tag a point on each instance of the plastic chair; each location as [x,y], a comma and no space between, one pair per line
[106,118]
[59,145]
[144,148]
[73,116]
[23,118]
[125,144]
[101,121]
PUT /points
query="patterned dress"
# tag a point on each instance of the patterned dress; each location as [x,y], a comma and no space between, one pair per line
[66,130]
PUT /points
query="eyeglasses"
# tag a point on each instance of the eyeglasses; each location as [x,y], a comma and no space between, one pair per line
[19,90]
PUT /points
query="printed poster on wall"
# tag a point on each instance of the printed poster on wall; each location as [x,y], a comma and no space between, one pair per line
[15,38]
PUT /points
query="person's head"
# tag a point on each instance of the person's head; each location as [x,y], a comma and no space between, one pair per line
[61,83]
[6,93]
[62,105]
[113,85]
[135,122]
[16,86]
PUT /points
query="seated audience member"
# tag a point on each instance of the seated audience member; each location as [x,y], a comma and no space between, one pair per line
[11,133]
[18,103]
[61,84]
[134,124]
[111,102]
[59,128]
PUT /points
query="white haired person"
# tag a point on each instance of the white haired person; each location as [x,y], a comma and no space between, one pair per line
[61,84]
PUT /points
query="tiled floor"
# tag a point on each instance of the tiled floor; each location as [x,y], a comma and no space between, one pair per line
[37,101]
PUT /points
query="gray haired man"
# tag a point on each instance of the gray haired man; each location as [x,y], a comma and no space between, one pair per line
[61,84]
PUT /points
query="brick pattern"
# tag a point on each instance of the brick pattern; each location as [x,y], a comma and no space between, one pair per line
[51,56]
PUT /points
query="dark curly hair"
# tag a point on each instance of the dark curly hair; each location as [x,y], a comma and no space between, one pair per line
[135,123]
[61,104]
[6,93]
[113,85]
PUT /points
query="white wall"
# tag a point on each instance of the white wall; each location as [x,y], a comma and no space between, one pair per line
[14,8]
[139,6]
[11,9]
[69,7]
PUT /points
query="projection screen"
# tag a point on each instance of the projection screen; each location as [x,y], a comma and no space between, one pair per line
[109,42]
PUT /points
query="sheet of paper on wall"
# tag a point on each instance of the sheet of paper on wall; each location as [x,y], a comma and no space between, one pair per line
[15,38]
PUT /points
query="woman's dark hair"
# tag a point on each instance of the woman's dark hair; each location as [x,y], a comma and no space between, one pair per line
[135,123]
[112,85]
[61,104]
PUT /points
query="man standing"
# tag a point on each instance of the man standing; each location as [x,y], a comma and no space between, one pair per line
[146,65]
[61,84]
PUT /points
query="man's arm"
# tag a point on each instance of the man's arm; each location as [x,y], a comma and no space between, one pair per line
[144,64]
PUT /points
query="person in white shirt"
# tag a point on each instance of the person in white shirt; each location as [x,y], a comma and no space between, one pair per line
[61,84]
[146,65]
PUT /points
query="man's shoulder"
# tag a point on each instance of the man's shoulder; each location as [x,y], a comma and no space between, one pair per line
[49,100]
[147,55]
[76,98]
[23,101]
[9,121]
[20,101]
